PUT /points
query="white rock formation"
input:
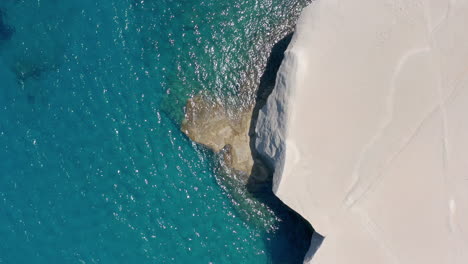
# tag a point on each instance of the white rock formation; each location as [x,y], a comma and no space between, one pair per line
[367,130]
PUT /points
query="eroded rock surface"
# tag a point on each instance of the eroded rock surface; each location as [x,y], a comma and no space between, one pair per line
[209,123]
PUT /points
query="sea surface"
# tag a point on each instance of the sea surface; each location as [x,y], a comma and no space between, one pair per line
[93,166]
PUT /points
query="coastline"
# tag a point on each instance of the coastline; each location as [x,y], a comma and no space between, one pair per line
[365,130]
[95,165]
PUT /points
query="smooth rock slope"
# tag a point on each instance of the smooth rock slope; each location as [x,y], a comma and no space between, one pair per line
[367,130]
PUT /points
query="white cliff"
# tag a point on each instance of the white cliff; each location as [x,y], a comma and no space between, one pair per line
[367,129]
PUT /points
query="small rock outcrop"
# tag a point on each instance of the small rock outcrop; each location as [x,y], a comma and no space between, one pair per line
[208,122]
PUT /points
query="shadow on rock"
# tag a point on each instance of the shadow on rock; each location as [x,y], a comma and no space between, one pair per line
[294,227]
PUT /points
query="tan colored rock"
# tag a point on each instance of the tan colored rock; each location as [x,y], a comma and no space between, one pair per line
[208,123]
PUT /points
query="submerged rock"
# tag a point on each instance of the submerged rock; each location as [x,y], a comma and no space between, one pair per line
[209,123]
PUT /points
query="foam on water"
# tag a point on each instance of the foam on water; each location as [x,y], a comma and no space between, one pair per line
[93,167]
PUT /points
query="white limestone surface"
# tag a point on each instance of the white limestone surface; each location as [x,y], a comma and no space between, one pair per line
[367,129]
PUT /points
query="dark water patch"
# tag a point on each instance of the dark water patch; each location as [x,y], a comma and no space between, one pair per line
[6,31]
[43,31]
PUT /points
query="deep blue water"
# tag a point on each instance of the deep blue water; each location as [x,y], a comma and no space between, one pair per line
[93,166]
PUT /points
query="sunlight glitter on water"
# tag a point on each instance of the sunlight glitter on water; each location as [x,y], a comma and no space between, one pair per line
[94,167]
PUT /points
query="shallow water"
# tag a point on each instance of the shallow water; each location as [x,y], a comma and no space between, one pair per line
[93,167]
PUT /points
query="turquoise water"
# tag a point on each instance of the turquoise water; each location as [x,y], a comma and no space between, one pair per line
[93,167]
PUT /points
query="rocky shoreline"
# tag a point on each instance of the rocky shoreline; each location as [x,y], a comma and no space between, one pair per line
[209,123]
